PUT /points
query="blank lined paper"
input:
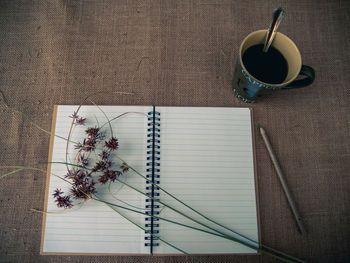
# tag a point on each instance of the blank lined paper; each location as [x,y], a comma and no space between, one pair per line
[95,227]
[207,162]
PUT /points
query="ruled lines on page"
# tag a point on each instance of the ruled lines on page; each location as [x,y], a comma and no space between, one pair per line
[207,162]
[95,227]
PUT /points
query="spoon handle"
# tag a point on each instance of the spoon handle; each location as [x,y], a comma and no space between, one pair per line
[277,16]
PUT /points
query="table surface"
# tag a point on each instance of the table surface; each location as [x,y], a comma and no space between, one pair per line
[180,53]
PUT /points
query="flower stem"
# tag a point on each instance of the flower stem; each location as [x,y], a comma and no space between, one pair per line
[109,122]
[25,116]
[125,113]
[142,228]
[222,235]
[119,200]
[205,217]
[201,230]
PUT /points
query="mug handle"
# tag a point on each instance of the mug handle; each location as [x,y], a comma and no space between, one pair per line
[307,71]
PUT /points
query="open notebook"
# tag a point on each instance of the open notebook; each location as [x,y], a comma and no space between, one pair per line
[202,155]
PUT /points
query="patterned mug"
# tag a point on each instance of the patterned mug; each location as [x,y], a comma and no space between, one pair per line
[248,88]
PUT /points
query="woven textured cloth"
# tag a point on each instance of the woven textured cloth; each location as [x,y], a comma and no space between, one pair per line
[180,53]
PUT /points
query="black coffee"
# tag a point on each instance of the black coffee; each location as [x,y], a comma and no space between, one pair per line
[270,67]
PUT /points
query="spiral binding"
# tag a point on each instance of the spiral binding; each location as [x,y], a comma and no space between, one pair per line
[153,169]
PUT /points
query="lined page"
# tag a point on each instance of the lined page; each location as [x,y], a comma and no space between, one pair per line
[94,227]
[207,162]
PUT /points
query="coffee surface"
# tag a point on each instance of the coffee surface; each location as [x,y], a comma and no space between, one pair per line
[270,67]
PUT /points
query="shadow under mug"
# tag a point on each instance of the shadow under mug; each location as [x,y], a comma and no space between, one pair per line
[247,88]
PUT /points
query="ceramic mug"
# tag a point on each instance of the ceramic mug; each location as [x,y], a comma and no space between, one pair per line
[248,88]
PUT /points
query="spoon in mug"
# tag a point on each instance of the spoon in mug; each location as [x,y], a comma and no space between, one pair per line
[277,16]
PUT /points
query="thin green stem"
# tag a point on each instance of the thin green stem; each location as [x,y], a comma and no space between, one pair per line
[177,211]
[142,228]
[174,197]
[202,224]
[202,230]
[72,123]
[98,124]
[123,115]
[109,123]
[33,123]
[222,235]
[15,171]
[121,201]
[115,204]
[207,218]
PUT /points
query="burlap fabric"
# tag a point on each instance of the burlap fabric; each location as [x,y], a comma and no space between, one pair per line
[180,53]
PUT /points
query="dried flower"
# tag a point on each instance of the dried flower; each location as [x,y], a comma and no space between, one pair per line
[70,174]
[109,175]
[99,166]
[104,155]
[93,132]
[62,201]
[80,121]
[124,167]
[79,146]
[108,164]
[112,144]
[83,183]
[79,193]
[84,161]
[57,193]
[84,186]
[77,120]
[88,145]
[103,179]
[74,115]
[78,177]
[112,175]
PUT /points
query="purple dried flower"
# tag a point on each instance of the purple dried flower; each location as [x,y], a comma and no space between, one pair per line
[80,177]
[79,193]
[74,115]
[102,165]
[79,146]
[80,121]
[103,179]
[84,187]
[124,167]
[93,132]
[84,161]
[109,175]
[71,174]
[112,175]
[57,193]
[99,166]
[77,120]
[62,201]
[104,155]
[88,145]
[112,144]
[108,164]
